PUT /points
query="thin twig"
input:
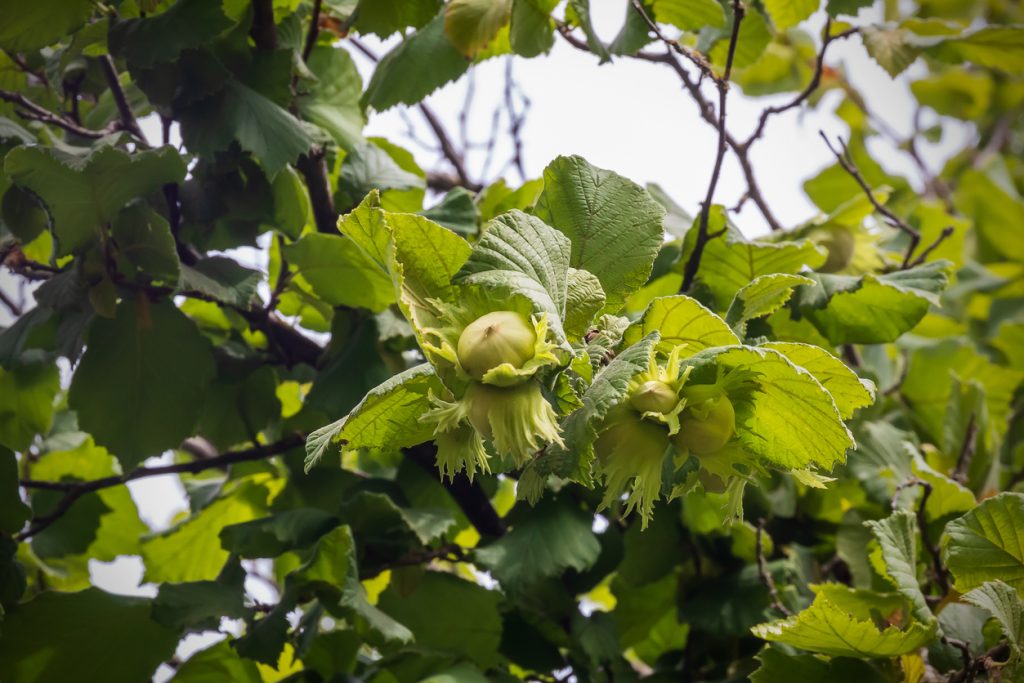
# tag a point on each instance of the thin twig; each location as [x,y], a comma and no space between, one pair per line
[939,569]
[11,305]
[848,165]
[967,448]
[946,232]
[73,490]
[765,575]
[314,31]
[693,263]
[698,59]
[124,110]
[34,112]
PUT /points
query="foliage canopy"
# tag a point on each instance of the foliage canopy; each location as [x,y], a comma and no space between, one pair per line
[468,430]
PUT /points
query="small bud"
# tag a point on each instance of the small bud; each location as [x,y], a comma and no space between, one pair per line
[493,339]
[653,397]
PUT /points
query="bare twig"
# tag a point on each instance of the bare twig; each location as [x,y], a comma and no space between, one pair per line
[515,121]
[703,237]
[939,569]
[812,86]
[313,167]
[73,490]
[454,157]
[124,110]
[264,30]
[946,232]
[967,448]
[848,165]
[314,31]
[11,305]
[765,575]
[698,59]
[34,112]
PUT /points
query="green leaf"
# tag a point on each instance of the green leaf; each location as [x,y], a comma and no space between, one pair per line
[543,543]
[144,238]
[418,66]
[83,193]
[848,7]
[471,25]
[456,211]
[191,550]
[200,605]
[730,262]
[257,123]
[754,36]
[218,663]
[27,393]
[584,299]
[839,623]
[614,224]
[340,272]
[368,166]
[897,535]
[849,391]
[762,296]
[681,320]
[274,535]
[139,387]
[389,416]
[333,101]
[292,208]
[956,92]
[794,423]
[891,46]
[13,512]
[184,25]
[993,47]
[223,279]
[449,614]
[581,10]
[384,17]
[987,544]
[119,528]
[778,666]
[1005,605]
[871,309]
[690,15]
[789,13]
[90,635]
[532,31]
[29,27]
[520,254]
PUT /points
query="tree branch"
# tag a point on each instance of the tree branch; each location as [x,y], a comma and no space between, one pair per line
[31,111]
[73,490]
[848,165]
[703,237]
[314,31]
[263,31]
[765,575]
[963,462]
[695,57]
[940,571]
[313,167]
[469,496]
[11,305]
[124,110]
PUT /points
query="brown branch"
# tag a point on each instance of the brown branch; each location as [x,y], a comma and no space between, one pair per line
[454,157]
[263,30]
[124,110]
[967,448]
[469,496]
[73,490]
[31,111]
[698,59]
[314,31]
[946,232]
[313,167]
[940,571]
[765,575]
[11,305]
[812,86]
[693,263]
[848,165]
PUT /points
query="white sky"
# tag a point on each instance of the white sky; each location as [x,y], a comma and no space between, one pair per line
[629,116]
